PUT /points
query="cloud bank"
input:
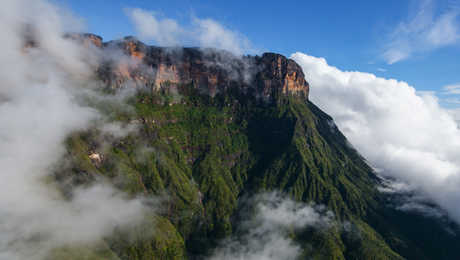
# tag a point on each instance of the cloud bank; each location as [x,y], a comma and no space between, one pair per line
[423,32]
[266,233]
[206,33]
[409,136]
[40,105]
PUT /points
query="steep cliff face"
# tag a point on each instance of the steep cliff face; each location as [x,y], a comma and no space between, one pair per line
[282,73]
[209,70]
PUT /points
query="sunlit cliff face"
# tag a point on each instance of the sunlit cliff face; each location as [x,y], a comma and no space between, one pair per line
[208,69]
[287,74]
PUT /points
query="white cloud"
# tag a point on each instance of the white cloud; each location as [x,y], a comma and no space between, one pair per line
[148,26]
[381,69]
[410,137]
[453,89]
[424,32]
[398,52]
[200,32]
[452,100]
[40,105]
[409,199]
[455,113]
[425,93]
[266,234]
[212,34]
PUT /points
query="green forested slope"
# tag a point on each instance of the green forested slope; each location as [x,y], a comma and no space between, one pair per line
[198,155]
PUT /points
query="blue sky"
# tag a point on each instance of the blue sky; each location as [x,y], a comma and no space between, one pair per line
[351,35]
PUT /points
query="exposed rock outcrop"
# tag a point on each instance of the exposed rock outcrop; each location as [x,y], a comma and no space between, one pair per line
[208,69]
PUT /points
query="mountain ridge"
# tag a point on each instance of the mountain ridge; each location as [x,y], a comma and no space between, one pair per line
[212,69]
[215,128]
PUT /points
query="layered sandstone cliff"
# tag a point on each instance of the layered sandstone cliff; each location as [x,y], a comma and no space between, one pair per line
[207,69]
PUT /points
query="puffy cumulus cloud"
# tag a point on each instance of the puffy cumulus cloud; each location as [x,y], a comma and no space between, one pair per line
[214,35]
[206,33]
[41,103]
[406,135]
[148,26]
[455,113]
[423,32]
[266,233]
